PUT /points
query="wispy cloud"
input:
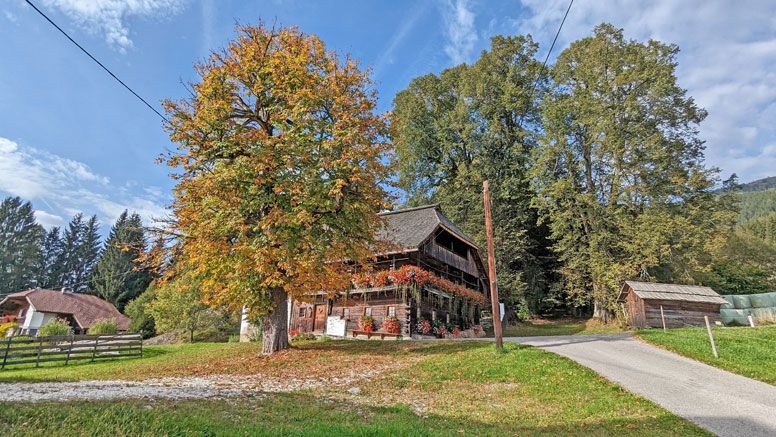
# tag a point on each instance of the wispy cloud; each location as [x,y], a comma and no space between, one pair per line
[64,187]
[110,17]
[727,63]
[408,23]
[460,30]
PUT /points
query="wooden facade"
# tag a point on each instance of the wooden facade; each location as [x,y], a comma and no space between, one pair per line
[681,305]
[426,239]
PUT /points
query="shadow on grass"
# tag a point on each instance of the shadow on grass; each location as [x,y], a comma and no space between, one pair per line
[296,414]
[396,348]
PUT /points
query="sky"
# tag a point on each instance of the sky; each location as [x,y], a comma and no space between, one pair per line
[73,140]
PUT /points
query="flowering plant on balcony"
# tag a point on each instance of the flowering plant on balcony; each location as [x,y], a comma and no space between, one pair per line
[415,276]
[391,325]
[366,323]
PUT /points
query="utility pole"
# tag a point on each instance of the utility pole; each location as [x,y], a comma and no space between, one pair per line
[495,309]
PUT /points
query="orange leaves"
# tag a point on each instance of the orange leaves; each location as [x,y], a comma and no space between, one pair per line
[281,164]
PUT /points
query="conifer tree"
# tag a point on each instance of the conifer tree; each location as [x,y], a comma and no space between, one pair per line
[20,239]
[118,276]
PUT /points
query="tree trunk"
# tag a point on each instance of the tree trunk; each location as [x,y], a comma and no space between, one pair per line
[275,323]
[600,311]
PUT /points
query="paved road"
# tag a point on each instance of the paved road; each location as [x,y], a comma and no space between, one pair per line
[719,401]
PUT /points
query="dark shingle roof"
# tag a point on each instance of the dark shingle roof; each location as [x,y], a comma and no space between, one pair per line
[686,293]
[85,308]
[408,228]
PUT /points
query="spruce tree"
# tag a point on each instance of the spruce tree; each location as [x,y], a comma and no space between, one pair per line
[80,250]
[118,276]
[50,269]
[20,239]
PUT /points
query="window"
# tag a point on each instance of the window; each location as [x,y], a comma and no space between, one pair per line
[368,311]
[391,311]
[301,313]
[345,313]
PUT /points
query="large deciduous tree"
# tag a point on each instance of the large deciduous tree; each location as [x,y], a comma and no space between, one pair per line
[281,164]
[20,239]
[620,172]
[476,122]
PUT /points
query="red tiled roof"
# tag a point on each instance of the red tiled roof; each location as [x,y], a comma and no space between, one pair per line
[85,308]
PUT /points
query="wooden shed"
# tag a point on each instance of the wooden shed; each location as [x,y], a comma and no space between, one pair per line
[682,305]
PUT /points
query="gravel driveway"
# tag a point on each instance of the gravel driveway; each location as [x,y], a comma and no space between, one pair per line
[210,387]
[719,401]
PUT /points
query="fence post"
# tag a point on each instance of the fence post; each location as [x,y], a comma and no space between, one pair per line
[711,337]
[663,317]
[751,320]
[40,349]
[94,350]
[141,342]
[7,349]
[70,349]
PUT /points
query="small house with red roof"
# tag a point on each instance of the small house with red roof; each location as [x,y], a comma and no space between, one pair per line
[34,308]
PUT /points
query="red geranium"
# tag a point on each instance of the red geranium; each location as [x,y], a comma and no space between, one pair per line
[391,325]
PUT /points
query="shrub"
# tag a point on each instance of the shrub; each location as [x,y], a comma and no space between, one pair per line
[55,328]
[142,321]
[7,328]
[303,336]
[391,325]
[366,323]
[104,327]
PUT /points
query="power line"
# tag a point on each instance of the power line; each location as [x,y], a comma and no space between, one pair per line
[554,40]
[29,2]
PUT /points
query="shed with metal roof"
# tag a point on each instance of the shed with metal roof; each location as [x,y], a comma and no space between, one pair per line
[647,304]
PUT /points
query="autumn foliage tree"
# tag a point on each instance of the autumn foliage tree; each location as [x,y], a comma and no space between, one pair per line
[280,170]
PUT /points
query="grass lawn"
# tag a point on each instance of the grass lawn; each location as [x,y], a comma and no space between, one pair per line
[441,388]
[535,328]
[747,351]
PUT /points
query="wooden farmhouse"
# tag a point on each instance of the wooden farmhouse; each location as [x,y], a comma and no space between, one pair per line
[682,305]
[432,273]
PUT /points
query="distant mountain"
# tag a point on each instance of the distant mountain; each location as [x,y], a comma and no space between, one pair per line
[755,204]
[759,185]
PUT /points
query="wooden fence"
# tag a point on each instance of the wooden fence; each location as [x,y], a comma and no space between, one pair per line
[26,350]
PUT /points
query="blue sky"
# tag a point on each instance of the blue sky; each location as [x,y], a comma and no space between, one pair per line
[72,140]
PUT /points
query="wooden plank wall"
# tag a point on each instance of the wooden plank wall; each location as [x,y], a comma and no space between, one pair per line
[679,314]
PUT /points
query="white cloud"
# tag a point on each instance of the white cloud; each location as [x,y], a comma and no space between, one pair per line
[460,30]
[109,17]
[727,63]
[66,186]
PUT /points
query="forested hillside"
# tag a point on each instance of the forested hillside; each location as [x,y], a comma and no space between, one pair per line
[756,204]
[759,185]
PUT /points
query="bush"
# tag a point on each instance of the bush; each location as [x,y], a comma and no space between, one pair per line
[104,327]
[55,328]
[6,327]
[303,336]
[142,321]
[366,323]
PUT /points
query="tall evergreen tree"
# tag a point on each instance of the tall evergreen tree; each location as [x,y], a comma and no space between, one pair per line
[49,272]
[118,276]
[476,122]
[620,172]
[20,239]
[80,250]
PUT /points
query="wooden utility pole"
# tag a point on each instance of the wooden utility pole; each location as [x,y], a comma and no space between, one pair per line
[495,309]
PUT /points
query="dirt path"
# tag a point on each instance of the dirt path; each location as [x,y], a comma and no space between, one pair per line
[719,401]
[217,386]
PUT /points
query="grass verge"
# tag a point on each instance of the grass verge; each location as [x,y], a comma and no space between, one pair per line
[747,351]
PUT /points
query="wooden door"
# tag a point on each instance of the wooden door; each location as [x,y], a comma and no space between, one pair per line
[320,318]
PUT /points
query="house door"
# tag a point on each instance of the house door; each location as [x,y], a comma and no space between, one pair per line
[320,318]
